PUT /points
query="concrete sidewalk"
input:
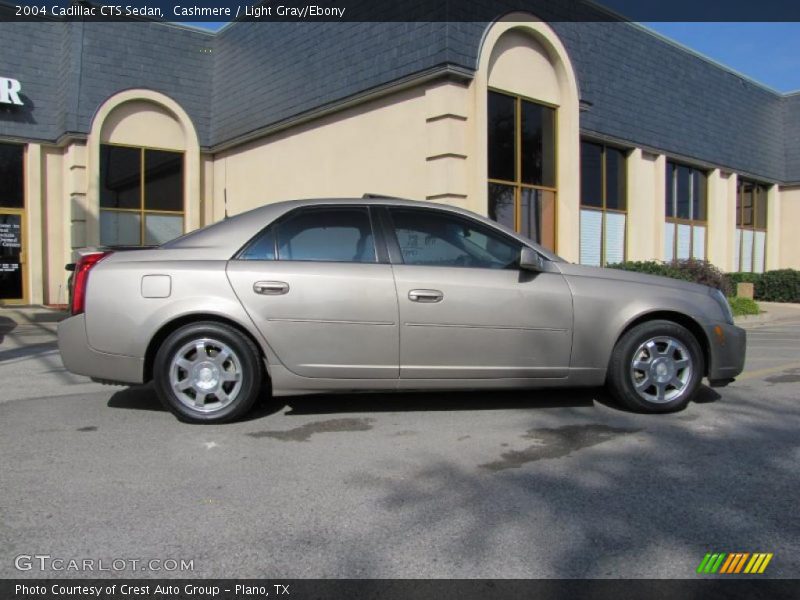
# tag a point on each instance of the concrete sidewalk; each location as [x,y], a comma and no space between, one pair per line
[30,365]
[771,312]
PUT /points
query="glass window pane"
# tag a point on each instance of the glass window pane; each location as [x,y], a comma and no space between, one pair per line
[737,250]
[501,137]
[747,205]
[761,207]
[739,191]
[120,228]
[683,245]
[683,192]
[12,193]
[669,241]
[163,180]
[747,251]
[430,239]
[699,195]
[501,204]
[120,177]
[591,174]
[538,144]
[337,235]
[538,216]
[591,237]
[615,179]
[614,238]
[699,242]
[161,228]
[759,251]
[669,191]
[261,248]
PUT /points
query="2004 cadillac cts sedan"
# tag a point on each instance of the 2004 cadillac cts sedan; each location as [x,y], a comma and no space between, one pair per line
[384,295]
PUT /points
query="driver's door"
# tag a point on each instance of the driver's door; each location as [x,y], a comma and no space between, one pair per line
[466,310]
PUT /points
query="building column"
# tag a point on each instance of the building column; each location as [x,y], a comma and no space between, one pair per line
[642,220]
[446,154]
[33,256]
[84,223]
[721,219]
[773,250]
[787,229]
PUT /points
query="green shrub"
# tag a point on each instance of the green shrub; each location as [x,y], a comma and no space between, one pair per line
[773,286]
[780,286]
[698,271]
[743,306]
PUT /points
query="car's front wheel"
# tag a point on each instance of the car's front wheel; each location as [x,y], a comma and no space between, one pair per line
[656,367]
[207,372]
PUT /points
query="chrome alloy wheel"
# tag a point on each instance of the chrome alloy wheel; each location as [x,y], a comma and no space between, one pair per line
[661,369]
[205,375]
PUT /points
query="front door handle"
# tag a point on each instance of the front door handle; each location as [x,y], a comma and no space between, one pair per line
[425,296]
[271,288]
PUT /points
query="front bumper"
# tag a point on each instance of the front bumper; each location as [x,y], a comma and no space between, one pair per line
[80,358]
[727,346]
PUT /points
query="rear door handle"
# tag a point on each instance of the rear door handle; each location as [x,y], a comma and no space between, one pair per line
[425,296]
[271,288]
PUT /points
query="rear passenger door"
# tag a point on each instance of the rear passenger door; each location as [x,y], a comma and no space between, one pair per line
[321,291]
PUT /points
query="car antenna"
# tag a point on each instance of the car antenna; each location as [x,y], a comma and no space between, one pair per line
[225,201]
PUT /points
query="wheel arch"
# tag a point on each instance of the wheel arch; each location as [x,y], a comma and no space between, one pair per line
[172,325]
[681,319]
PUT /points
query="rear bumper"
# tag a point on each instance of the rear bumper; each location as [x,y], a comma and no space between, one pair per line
[80,358]
[727,347]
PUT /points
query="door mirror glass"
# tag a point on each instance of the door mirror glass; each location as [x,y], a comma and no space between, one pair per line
[530,260]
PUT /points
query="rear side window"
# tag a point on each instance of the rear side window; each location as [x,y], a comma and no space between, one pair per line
[318,234]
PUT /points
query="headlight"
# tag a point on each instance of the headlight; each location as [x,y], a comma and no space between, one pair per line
[723,304]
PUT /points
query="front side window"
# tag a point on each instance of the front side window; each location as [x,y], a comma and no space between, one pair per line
[522,166]
[427,238]
[318,234]
[751,227]
[141,195]
[603,205]
[686,207]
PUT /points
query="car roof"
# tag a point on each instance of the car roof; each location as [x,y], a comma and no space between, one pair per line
[229,235]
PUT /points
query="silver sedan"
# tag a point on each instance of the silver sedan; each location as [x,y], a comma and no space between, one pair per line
[340,295]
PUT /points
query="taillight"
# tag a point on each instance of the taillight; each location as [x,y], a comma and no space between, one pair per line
[81,278]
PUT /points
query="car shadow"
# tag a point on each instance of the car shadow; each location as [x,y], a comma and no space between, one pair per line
[143,397]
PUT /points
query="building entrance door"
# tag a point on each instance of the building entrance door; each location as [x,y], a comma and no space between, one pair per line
[12,257]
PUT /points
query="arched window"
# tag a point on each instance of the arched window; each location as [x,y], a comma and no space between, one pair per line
[141,195]
[522,161]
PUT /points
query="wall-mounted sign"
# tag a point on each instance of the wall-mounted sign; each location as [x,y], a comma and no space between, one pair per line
[9,91]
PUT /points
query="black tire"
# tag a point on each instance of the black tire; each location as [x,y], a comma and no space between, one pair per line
[655,395]
[227,400]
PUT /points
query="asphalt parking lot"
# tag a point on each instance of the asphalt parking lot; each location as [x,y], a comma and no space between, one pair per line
[495,485]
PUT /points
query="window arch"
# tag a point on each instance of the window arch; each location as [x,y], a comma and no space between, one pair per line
[527,124]
[144,175]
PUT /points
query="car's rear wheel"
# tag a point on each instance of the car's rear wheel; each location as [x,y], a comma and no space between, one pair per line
[207,373]
[656,367]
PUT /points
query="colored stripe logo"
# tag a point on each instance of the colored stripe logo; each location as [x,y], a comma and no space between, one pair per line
[733,563]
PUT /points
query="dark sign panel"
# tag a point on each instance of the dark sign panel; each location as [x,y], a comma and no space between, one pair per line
[10,257]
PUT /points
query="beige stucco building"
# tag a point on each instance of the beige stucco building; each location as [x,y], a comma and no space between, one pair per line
[515,135]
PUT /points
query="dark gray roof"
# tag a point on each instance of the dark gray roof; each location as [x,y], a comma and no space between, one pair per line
[69,69]
[791,136]
[641,89]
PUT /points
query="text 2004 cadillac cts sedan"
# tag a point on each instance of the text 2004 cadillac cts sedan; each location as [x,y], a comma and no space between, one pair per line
[384,295]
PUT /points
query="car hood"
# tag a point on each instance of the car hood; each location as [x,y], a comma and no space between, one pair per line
[573,270]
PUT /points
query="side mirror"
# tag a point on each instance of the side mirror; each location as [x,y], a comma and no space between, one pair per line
[530,260]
